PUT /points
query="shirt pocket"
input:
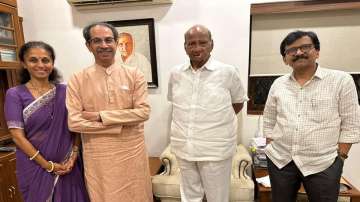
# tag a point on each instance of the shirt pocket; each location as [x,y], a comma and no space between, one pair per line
[323,109]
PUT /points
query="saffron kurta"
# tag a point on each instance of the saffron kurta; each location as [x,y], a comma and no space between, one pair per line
[115,158]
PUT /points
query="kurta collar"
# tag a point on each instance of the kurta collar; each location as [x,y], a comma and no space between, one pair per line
[209,65]
[107,70]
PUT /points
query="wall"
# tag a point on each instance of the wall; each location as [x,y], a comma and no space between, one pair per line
[60,25]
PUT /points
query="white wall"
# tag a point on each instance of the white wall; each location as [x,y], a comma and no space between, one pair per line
[61,25]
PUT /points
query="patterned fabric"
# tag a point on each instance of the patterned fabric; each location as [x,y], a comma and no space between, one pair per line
[204,124]
[15,124]
[40,102]
[115,159]
[306,123]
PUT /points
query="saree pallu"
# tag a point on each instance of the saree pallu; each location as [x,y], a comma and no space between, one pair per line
[44,121]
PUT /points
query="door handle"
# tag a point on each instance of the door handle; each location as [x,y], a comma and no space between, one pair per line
[11,193]
[14,189]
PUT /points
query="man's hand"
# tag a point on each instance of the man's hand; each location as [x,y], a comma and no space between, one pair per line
[91,116]
[268,140]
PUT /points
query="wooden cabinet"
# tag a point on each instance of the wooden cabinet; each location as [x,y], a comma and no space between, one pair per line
[8,184]
[11,39]
[10,35]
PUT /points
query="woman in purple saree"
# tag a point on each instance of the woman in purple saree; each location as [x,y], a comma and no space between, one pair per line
[47,165]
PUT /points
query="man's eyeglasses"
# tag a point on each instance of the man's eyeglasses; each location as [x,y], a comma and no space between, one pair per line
[99,41]
[304,48]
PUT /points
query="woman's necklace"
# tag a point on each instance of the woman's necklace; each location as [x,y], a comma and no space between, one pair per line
[39,91]
[42,91]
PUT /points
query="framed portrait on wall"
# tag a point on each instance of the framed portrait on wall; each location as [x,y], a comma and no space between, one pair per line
[136,47]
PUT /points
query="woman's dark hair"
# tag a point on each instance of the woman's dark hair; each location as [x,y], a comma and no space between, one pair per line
[293,36]
[54,76]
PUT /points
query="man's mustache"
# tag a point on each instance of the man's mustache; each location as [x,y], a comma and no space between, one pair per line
[299,57]
[99,50]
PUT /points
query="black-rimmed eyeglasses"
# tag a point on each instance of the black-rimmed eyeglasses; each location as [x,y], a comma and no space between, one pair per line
[98,41]
[304,48]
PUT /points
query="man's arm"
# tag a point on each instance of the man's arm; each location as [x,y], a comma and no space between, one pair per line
[140,111]
[237,92]
[76,121]
[269,116]
[343,150]
[349,112]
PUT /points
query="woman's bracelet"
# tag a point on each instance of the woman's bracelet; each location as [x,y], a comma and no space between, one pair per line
[52,167]
[75,149]
[72,153]
[34,156]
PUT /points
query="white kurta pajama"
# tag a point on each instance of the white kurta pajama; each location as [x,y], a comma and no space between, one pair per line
[115,158]
[204,124]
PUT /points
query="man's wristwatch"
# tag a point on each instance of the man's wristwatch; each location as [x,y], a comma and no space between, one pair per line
[343,156]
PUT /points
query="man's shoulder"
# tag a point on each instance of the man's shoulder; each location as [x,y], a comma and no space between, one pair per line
[281,80]
[334,71]
[127,68]
[334,74]
[179,67]
[219,63]
[222,66]
[80,74]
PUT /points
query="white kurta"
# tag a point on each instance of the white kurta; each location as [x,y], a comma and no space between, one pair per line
[204,123]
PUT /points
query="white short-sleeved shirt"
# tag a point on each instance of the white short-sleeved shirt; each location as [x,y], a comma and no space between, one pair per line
[204,123]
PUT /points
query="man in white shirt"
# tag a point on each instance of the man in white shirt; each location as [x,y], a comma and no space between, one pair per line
[206,95]
[127,55]
[311,119]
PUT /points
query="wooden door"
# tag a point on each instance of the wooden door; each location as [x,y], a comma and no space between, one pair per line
[5,191]
[3,182]
[4,134]
[13,185]
[9,191]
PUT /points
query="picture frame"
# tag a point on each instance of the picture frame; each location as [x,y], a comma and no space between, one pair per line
[258,90]
[136,47]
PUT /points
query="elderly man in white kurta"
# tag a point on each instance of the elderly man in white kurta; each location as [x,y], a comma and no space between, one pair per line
[206,95]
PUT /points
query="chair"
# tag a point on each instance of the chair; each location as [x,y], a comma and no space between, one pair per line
[166,185]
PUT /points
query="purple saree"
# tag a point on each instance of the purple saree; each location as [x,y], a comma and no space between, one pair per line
[44,122]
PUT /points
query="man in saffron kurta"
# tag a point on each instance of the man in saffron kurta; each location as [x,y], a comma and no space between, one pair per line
[107,105]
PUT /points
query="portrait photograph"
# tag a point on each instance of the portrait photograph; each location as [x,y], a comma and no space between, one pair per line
[136,47]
